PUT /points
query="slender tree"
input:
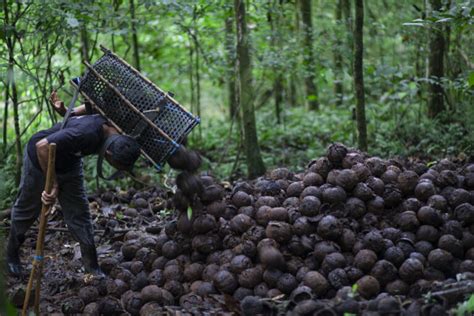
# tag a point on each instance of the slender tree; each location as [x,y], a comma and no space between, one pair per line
[10,19]
[275,42]
[338,73]
[359,74]
[136,55]
[308,59]
[255,166]
[230,50]
[436,66]
[347,17]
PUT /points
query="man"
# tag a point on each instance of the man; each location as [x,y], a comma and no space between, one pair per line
[82,135]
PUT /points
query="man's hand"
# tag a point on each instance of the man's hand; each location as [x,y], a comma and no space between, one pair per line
[57,104]
[50,198]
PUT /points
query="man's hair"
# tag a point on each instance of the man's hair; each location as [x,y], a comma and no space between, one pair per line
[124,150]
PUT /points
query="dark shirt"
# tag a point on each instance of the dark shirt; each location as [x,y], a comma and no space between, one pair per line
[82,136]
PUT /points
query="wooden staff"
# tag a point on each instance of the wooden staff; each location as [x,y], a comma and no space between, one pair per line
[36,269]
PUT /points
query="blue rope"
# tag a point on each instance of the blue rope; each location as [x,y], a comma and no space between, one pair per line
[38,258]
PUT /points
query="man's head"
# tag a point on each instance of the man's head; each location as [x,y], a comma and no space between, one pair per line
[121,151]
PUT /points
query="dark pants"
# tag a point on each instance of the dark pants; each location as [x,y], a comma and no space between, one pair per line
[71,195]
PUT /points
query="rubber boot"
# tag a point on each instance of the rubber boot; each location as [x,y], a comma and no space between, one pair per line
[89,260]
[14,266]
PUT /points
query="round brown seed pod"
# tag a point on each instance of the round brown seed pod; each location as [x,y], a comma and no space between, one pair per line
[151,293]
[376,166]
[225,282]
[329,227]
[408,221]
[308,191]
[204,223]
[211,193]
[424,189]
[271,257]
[241,198]
[206,243]
[88,294]
[129,249]
[347,240]
[458,197]
[465,213]
[279,231]
[317,282]
[437,202]
[72,305]
[390,176]
[338,278]
[440,259]
[323,248]
[351,159]
[363,191]
[336,153]
[376,184]
[278,214]
[391,233]
[407,181]
[467,266]
[303,226]
[295,189]
[287,283]
[132,302]
[250,277]
[321,166]
[365,260]
[267,201]
[347,179]
[423,247]
[384,271]
[174,287]
[376,205]
[428,233]
[452,227]
[430,216]
[392,195]
[355,207]
[334,195]
[170,249]
[368,286]
[312,179]
[216,208]
[411,204]
[280,173]
[309,206]
[239,263]
[300,294]
[374,240]
[241,222]
[361,170]
[395,255]
[411,270]
[451,244]
[333,261]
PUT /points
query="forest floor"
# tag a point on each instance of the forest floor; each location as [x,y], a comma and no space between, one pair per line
[316,222]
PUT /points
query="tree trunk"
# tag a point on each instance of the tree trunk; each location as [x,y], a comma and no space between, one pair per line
[230,46]
[347,16]
[359,75]
[10,41]
[275,44]
[84,43]
[255,166]
[436,67]
[308,57]
[136,55]
[5,116]
[338,73]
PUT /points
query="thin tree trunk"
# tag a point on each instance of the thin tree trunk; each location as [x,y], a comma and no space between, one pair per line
[198,83]
[275,43]
[347,16]
[308,59]
[136,55]
[436,67]
[255,166]
[115,5]
[84,45]
[230,45]
[359,75]
[5,116]
[338,73]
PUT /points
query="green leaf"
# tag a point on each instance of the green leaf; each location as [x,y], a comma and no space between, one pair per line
[413,24]
[470,80]
[312,97]
[189,212]
[72,21]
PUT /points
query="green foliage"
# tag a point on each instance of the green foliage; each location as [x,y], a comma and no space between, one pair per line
[466,307]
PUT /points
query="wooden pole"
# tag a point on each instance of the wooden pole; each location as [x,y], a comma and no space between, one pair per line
[36,269]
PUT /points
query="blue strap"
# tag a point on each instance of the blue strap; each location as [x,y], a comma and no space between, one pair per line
[38,258]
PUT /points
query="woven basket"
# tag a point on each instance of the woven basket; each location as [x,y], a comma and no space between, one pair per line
[136,107]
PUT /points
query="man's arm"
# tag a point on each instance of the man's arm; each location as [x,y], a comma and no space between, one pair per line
[42,150]
[61,109]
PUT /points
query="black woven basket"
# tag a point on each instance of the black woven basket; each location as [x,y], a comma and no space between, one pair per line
[136,107]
